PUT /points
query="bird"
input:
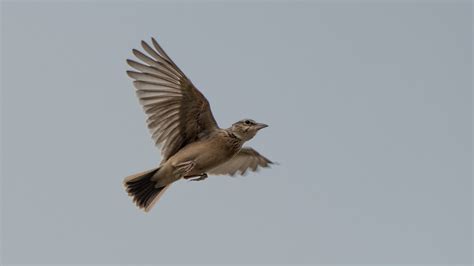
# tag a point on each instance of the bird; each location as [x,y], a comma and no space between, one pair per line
[182,125]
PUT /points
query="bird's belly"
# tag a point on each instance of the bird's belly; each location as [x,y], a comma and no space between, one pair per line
[209,160]
[205,156]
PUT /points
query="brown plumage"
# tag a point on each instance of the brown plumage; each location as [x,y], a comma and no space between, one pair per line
[181,123]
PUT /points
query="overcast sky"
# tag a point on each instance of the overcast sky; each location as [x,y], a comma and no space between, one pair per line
[369,107]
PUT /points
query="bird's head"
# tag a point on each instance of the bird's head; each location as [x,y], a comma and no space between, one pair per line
[246,129]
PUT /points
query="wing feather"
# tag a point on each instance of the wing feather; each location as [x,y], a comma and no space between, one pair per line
[246,159]
[177,112]
[153,78]
[159,64]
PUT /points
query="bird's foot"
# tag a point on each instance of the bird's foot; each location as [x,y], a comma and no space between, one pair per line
[199,177]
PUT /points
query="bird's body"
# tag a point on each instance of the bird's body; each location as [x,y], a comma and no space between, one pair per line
[203,155]
[208,153]
[181,122]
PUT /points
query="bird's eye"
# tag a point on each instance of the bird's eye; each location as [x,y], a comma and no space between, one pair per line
[247,122]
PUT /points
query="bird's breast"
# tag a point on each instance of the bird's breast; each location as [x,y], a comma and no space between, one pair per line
[216,153]
[207,154]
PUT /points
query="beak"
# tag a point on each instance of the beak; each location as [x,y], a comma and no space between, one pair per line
[260,126]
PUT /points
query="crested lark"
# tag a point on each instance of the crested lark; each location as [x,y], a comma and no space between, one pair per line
[181,122]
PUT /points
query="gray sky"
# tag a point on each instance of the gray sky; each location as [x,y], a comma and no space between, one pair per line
[369,107]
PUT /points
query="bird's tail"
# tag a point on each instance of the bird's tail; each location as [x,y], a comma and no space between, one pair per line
[143,189]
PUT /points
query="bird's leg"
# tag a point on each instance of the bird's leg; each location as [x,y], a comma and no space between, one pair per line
[199,177]
[183,168]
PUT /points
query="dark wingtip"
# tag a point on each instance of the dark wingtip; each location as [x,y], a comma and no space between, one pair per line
[153,40]
[135,52]
[130,73]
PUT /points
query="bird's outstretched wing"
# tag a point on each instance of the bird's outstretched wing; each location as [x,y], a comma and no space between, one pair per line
[178,113]
[247,158]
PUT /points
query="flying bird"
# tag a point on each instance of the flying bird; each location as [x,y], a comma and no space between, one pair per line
[181,123]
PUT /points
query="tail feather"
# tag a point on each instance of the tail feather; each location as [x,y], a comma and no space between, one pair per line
[142,189]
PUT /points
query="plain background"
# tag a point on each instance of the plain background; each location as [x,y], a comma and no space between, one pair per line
[369,107]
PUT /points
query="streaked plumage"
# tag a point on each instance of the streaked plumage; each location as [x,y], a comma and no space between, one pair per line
[181,123]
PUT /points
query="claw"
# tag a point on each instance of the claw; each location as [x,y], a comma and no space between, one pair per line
[200,177]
